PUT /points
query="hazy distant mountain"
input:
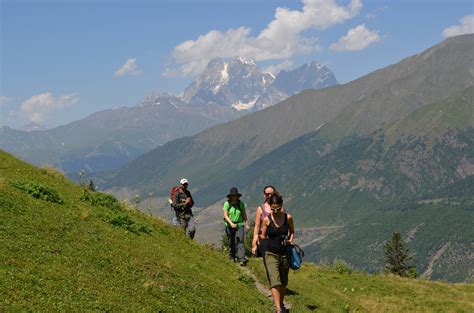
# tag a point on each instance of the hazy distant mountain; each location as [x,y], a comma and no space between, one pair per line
[109,138]
[33,126]
[289,83]
[369,150]
[307,76]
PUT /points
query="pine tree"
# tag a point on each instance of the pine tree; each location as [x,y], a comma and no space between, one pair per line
[397,256]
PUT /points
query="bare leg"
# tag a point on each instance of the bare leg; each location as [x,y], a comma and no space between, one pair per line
[282,293]
[276,297]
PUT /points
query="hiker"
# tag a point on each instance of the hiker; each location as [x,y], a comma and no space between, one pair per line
[262,211]
[235,219]
[182,203]
[278,232]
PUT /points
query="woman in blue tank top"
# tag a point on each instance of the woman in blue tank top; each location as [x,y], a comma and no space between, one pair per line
[278,231]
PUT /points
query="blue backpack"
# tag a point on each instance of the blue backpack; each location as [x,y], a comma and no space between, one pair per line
[295,256]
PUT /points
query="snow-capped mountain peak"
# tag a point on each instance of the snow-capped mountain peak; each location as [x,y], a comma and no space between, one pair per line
[230,82]
[240,84]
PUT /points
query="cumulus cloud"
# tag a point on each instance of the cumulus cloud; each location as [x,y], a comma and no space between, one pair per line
[129,68]
[281,39]
[276,68]
[357,38]
[4,100]
[466,26]
[36,107]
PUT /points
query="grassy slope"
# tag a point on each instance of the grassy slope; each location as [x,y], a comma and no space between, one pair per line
[320,289]
[66,257]
[455,112]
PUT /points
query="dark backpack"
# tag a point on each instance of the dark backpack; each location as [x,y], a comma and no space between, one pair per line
[295,256]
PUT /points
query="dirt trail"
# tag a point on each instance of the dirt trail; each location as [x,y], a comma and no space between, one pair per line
[261,287]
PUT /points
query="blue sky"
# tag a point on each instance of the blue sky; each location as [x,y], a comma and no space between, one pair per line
[63,60]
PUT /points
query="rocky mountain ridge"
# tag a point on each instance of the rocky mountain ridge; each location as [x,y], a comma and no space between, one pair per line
[228,89]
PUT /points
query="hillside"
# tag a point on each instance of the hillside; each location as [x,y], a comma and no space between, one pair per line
[420,186]
[61,253]
[336,288]
[433,120]
[386,95]
[107,139]
[74,255]
[340,178]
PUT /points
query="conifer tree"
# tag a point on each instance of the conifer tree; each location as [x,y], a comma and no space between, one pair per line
[397,256]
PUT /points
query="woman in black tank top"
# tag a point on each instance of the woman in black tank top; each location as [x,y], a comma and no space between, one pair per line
[278,231]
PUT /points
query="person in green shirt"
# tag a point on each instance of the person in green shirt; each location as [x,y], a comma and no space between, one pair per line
[235,219]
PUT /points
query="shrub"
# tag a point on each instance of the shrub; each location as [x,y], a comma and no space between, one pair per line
[341,267]
[247,279]
[39,191]
[101,199]
[122,220]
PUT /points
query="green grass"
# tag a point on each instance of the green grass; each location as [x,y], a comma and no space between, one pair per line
[91,253]
[323,289]
[74,255]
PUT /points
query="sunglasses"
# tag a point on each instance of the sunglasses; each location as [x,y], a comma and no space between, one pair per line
[276,209]
[268,194]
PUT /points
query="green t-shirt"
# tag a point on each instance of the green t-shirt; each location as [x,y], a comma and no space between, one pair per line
[236,214]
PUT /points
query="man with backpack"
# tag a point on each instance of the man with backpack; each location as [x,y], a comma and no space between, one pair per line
[235,219]
[182,202]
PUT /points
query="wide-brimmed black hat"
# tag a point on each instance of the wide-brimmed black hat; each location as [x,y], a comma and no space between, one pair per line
[233,192]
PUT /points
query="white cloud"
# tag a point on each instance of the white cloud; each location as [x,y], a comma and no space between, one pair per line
[281,39]
[357,38]
[36,107]
[4,100]
[129,68]
[466,26]
[276,68]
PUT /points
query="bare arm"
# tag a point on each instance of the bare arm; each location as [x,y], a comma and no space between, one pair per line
[258,213]
[226,217]
[291,230]
[266,222]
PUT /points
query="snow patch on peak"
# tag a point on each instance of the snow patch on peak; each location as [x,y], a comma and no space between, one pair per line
[247,61]
[224,74]
[239,106]
[317,65]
